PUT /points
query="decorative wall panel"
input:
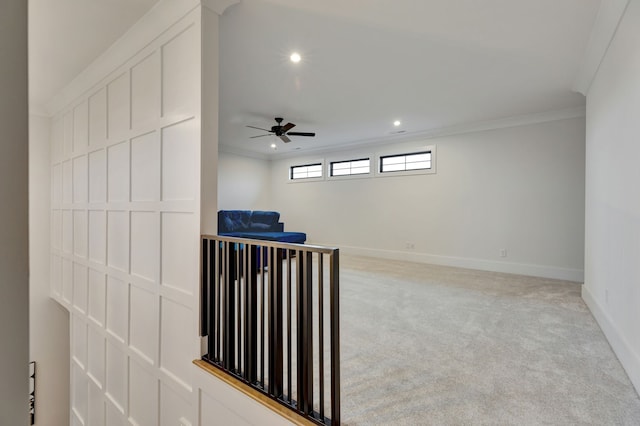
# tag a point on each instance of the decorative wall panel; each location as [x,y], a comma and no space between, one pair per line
[97,296]
[81,126]
[144,324]
[80,287]
[145,245]
[80,181]
[178,253]
[118,240]
[175,356]
[80,388]
[179,161]
[180,91]
[143,389]
[97,236]
[95,356]
[98,117]
[80,233]
[96,414]
[118,92]
[145,167]
[98,176]
[117,308]
[145,91]
[125,234]
[117,377]
[118,172]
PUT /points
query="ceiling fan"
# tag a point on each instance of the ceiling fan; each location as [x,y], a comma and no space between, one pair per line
[281,131]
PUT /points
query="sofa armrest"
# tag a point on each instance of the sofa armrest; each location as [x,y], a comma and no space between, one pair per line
[278,227]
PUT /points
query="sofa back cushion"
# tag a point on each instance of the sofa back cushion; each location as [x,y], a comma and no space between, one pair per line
[233,220]
[264,221]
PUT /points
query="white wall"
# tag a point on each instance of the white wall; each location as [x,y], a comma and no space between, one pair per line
[133,166]
[48,321]
[518,188]
[125,219]
[14,248]
[243,183]
[612,241]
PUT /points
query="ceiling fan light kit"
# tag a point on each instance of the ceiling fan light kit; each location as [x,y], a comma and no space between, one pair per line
[283,132]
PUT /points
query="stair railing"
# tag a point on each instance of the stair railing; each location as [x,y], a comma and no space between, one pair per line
[270,312]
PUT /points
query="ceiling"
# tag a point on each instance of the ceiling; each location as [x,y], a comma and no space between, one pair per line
[65,36]
[431,64]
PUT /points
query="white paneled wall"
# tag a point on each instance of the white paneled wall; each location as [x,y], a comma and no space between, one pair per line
[125,223]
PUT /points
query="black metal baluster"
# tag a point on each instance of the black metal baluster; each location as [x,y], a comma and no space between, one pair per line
[335,337]
[251,309]
[321,331]
[275,322]
[218,302]
[230,314]
[289,279]
[305,333]
[238,257]
[211,308]
[263,262]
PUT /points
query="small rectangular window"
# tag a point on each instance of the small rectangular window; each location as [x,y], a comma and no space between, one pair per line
[349,168]
[306,171]
[406,162]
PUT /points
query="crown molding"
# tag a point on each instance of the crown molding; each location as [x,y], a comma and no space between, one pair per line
[159,18]
[604,29]
[219,6]
[480,126]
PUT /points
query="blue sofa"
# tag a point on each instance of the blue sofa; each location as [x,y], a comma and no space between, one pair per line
[256,224]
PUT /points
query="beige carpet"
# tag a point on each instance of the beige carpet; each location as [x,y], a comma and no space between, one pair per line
[432,345]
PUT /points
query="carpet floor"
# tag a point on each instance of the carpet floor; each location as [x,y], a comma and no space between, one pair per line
[435,345]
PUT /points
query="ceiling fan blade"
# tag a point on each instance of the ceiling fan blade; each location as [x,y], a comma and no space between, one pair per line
[300,134]
[285,139]
[259,136]
[288,127]
[259,128]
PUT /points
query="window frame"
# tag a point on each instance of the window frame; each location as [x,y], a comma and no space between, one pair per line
[292,166]
[330,163]
[406,152]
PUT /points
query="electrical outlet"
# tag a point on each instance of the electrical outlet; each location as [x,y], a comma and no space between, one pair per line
[503,252]
[410,246]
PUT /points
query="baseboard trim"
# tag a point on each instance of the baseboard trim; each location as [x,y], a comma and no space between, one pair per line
[628,358]
[469,263]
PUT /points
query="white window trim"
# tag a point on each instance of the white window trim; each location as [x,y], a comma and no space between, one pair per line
[306,163]
[406,151]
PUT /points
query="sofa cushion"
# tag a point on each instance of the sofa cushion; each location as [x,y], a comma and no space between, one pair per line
[233,220]
[260,227]
[268,218]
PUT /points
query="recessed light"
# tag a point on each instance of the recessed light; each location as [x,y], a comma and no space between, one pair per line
[273,146]
[397,123]
[295,57]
